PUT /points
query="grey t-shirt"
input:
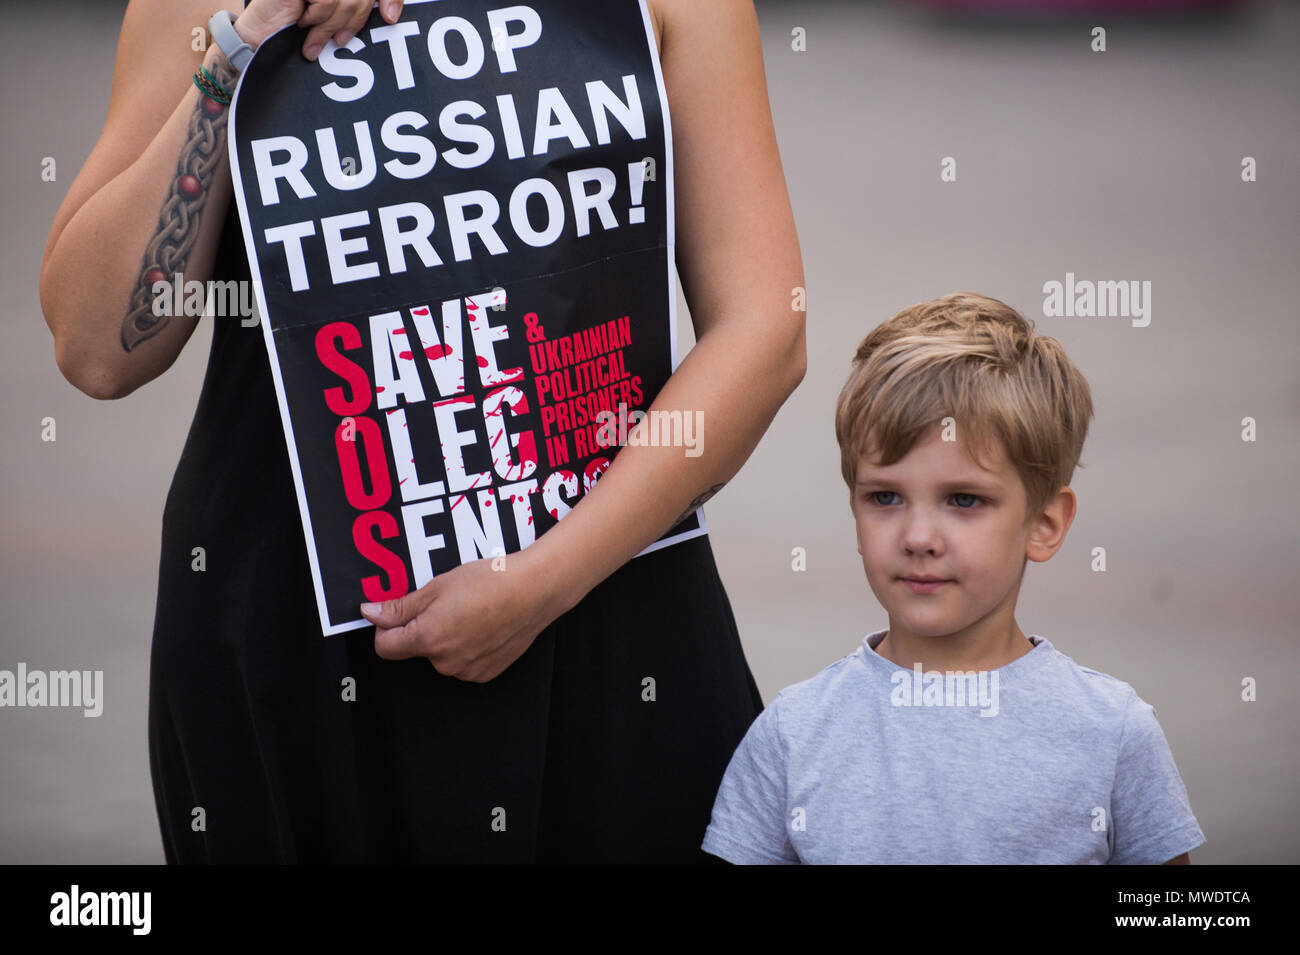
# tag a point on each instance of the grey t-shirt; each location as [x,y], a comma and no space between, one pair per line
[1038,761]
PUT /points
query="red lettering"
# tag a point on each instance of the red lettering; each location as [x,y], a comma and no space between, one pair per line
[363,529]
[376,464]
[344,367]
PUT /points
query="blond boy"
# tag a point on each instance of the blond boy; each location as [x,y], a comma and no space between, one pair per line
[951,736]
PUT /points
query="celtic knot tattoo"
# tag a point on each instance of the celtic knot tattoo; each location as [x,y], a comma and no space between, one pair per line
[178,223]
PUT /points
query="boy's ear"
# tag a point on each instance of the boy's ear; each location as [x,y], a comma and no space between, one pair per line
[1050,527]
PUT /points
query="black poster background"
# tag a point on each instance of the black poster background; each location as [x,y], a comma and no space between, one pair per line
[621,268]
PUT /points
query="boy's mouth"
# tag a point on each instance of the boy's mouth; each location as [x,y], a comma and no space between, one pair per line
[924,585]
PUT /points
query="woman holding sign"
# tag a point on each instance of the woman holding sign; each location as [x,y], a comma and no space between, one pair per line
[576,700]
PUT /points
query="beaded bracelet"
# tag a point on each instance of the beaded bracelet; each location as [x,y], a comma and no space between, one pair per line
[210,88]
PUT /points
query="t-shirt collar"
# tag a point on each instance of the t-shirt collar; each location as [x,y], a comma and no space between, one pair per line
[1042,650]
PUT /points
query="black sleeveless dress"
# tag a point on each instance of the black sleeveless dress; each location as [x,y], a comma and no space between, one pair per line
[257,753]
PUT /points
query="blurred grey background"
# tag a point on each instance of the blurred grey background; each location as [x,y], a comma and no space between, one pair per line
[1117,165]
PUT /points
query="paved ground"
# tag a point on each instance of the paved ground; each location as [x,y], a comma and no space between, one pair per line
[1123,165]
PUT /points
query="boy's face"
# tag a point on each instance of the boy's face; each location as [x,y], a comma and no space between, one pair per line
[936,513]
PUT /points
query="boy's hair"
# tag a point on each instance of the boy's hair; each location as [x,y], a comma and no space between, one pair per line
[979,361]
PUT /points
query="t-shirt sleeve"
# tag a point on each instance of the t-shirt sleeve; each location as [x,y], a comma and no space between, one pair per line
[749,825]
[1150,816]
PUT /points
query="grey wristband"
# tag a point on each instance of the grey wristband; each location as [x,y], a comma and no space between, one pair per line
[222,28]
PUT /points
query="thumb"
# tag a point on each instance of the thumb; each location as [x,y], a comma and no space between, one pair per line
[389,613]
[396,635]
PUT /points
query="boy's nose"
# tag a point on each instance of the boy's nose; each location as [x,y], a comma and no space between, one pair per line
[921,536]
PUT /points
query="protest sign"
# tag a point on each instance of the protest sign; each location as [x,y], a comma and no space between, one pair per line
[460,229]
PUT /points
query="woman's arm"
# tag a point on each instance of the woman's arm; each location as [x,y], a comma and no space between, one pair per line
[739,262]
[118,218]
[93,261]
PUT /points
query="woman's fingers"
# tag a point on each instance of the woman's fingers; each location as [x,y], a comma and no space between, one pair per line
[329,18]
[353,25]
[317,11]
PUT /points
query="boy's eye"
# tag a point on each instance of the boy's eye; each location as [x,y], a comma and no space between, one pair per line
[971,497]
[874,497]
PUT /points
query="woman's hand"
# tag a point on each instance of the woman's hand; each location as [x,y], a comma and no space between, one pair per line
[339,19]
[473,621]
